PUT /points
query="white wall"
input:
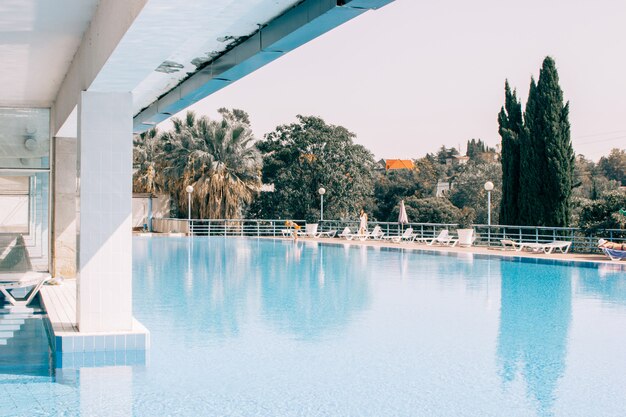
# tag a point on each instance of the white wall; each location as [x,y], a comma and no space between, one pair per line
[160,209]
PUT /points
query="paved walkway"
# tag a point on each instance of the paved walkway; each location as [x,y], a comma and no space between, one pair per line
[580,257]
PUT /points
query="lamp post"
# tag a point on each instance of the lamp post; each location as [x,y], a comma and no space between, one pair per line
[189,190]
[322,191]
[488,188]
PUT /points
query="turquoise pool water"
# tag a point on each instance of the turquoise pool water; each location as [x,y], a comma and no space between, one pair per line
[246,327]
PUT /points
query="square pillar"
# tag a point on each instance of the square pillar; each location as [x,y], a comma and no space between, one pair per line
[104,212]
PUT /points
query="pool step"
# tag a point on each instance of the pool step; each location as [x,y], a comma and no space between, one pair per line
[24,349]
[12,323]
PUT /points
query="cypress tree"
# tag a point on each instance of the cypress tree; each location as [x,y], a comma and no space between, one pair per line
[510,126]
[530,197]
[546,154]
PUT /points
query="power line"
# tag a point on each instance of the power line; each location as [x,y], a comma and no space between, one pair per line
[591,135]
[601,140]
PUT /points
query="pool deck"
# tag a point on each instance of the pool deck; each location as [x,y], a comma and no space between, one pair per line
[598,259]
[59,301]
[593,258]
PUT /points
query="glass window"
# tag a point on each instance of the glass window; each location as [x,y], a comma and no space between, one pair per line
[24,138]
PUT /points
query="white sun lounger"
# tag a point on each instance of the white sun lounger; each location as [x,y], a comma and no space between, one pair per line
[508,244]
[430,239]
[407,236]
[547,248]
[357,236]
[22,280]
[443,239]
[330,233]
[345,233]
[376,234]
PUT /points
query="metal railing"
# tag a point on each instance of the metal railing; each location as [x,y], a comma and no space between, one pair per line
[243,227]
[485,235]
[222,227]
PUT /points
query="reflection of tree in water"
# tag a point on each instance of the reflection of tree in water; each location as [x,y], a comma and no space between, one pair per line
[314,288]
[535,314]
[606,282]
[210,275]
[210,282]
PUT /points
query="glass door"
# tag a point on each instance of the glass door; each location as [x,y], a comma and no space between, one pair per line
[24,189]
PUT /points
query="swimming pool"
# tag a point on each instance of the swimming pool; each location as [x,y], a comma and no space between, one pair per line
[247,327]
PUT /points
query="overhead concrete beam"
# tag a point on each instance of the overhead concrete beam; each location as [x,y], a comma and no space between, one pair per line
[299,25]
[111,21]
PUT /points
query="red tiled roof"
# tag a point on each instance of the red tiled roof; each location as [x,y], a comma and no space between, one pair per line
[399,164]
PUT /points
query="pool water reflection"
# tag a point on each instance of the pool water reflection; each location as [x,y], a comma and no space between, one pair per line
[246,327]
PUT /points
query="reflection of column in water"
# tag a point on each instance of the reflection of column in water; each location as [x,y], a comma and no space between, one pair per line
[489,297]
[115,383]
[404,264]
[189,274]
[363,254]
[535,315]
[321,277]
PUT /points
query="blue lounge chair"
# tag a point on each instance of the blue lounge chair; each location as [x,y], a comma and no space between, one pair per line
[614,254]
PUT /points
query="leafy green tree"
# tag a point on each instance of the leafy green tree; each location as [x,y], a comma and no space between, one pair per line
[392,186]
[469,190]
[147,176]
[446,153]
[430,210]
[301,157]
[476,149]
[589,180]
[510,127]
[613,166]
[428,173]
[218,158]
[604,212]
[546,154]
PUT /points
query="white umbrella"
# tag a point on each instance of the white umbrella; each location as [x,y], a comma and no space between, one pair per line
[402,217]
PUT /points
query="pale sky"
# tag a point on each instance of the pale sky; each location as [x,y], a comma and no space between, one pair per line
[416,75]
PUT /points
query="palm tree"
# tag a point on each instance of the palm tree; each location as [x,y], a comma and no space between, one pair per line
[217,158]
[146,157]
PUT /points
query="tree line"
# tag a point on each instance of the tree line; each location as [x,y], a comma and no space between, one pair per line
[537,179]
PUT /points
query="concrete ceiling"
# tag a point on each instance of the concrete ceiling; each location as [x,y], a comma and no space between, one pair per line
[38,40]
[50,50]
[167,40]
[170,39]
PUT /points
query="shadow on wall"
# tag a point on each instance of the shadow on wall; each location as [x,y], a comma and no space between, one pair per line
[13,254]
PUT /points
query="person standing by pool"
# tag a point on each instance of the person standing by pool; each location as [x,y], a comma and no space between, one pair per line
[296,228]
[363,222]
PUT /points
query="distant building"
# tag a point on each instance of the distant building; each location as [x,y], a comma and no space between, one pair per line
[457,160]
[267,188]
[393,164]
[443,188]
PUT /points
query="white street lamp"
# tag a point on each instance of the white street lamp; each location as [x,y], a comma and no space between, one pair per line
[322,191]
[189,190]
[488,188]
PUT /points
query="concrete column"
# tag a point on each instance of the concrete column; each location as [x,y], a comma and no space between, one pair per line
[64,213]
[104,285]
